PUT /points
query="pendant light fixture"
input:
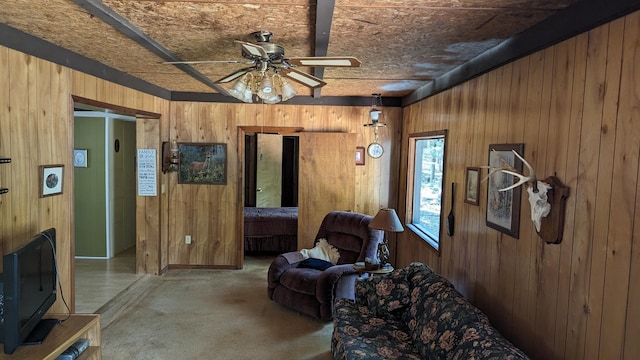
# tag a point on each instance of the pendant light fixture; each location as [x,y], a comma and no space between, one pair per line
[375,149]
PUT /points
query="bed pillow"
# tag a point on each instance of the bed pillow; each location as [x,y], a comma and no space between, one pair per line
[317,264]
[323,251]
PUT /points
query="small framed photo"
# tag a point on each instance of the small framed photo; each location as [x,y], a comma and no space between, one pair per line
[360,155]
[472,188]
[51,180]
[80,158]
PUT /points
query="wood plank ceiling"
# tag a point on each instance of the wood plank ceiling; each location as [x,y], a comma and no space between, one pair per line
[403,45]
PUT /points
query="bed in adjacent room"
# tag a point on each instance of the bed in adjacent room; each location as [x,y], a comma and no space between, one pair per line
[273,230]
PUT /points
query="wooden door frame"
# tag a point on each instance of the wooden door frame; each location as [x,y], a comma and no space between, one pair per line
[139,114]
[242,131]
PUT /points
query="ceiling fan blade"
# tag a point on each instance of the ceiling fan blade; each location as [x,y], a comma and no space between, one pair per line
[304,78]
[253,49]
[202,62]
[344,61]
[235,75]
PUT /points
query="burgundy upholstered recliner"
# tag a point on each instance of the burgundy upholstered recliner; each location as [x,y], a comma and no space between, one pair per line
[312,291]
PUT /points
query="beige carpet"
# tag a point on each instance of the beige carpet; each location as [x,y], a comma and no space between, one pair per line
[209,314]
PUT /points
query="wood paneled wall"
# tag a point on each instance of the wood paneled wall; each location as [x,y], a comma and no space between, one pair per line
[576,107]
[36,128]
[211,213]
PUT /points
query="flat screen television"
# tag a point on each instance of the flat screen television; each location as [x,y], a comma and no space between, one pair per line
[28,291]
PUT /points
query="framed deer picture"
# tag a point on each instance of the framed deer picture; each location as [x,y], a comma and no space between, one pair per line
[503,206]
[202,163]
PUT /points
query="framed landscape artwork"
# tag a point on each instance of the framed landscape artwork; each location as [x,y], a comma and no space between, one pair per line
[202,163]
[503,207]
[472,188]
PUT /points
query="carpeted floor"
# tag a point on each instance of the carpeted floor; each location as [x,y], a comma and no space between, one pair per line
[209,314]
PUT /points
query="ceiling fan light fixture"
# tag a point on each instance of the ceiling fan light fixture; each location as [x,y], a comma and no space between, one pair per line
[239,87]
[247,95]
[267,58]
[287,90]
[273,99]
[266,88]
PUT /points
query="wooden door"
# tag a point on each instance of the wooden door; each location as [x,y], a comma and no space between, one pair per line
[326,180]
[269,171]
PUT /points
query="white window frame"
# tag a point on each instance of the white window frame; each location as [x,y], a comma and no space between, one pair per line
[414,188]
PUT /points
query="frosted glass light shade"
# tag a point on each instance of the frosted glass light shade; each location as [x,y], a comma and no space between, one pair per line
[287,90]
[266,88]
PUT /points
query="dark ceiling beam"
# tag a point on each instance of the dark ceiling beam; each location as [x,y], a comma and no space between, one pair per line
[106,14]
[573,20]
[324,18]
[29,44]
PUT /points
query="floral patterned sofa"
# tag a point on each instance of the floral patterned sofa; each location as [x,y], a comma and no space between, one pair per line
[414,313]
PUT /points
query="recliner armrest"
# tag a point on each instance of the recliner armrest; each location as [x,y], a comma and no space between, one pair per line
[328,280]
[282,263]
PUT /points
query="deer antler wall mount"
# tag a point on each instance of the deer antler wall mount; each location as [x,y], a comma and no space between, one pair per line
[547,199]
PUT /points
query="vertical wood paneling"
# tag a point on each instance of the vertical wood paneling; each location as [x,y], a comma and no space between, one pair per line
[22,165]
[552,142]
[465,120]
[35,132]
[489,249]
[481,243]
[625,168]
[317,193]
[215,222]
[526,309]
[476,270]
[545,257]
[506,245]
[629,109]
[595,153]
[5,151]
[37,129]
[557,164]
[576,286]
[519,80]
[575,107]
[148,207]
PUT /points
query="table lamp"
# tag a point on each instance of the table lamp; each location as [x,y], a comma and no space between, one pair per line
[386,220]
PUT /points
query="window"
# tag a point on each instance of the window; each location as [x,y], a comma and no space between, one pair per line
[425,184]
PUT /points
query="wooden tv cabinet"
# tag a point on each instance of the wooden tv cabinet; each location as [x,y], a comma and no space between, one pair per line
[61,337]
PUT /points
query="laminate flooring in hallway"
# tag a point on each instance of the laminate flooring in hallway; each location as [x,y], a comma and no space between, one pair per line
[98,281]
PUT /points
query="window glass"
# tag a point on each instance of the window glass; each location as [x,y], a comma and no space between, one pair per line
[426,178]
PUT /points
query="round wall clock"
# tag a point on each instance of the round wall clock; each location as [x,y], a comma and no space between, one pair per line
[375,150]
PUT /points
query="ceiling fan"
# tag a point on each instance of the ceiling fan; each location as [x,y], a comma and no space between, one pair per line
[265,57]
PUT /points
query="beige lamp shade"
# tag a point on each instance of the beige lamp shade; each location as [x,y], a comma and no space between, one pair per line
[387,219]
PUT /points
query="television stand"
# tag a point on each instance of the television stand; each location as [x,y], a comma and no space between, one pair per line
[78,326]
[40,332]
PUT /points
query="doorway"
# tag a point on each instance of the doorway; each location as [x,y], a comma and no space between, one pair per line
[271,170]
[324,181]
[105,202]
